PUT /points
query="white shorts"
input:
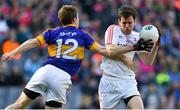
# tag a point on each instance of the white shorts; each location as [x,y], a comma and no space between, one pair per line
[51,82]
[113,90]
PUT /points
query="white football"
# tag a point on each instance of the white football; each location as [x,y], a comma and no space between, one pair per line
[149,32]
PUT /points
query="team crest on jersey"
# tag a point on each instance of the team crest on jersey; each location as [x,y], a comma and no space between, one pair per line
[132,40]
[135,40]
[120,36]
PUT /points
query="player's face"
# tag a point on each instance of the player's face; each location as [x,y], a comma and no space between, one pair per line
[126,24]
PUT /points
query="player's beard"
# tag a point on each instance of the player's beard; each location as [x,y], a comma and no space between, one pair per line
[126,31]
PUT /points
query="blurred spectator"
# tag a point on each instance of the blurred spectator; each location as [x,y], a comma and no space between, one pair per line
[11,44]
[23,34]
[86,102]
[152,98]
[31,64]
[171,99]
[3,74]
[176,92]
[3,25]
[163,78]
[95,101]
[16,78]
[96,61]
[177,11]
[89,86]
[25,16]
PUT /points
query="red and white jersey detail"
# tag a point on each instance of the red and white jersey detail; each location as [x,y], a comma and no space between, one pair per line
[110,34]
[114,35]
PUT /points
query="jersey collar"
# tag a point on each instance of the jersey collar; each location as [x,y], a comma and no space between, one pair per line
[70,25]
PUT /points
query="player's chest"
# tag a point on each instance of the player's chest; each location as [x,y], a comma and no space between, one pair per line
[126,40]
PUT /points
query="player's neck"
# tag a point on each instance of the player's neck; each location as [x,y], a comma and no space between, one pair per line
[70,25]
[126,34]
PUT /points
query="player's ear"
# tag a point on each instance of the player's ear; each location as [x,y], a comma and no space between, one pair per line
[119,21]
[74,20]
[135,20]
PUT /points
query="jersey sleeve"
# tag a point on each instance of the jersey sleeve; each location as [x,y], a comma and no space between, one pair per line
[44,37]
[90,43]
[111,36]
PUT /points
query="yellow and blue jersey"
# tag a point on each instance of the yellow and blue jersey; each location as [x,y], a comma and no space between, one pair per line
[66,47]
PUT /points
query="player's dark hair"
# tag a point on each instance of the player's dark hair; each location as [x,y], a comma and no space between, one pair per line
[66,14]
[126,11]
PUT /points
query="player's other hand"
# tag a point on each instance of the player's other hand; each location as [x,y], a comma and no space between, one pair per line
[7,56]
[128,62]
[144,45]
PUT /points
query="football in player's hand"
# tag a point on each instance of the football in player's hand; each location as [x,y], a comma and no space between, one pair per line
[149,32]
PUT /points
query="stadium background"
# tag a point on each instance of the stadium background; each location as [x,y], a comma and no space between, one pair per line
[24,19]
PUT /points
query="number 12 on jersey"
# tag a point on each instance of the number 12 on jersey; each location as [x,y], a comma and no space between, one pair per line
[66,53]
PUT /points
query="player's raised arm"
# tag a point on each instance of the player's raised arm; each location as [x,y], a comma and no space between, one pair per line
[31,43]
[103,51]
[93,46]
[114,49]
[120,57]
[154,33]
[149,57]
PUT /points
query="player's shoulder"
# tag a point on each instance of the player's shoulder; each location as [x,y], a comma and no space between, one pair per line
[135,33]
[113,28]
[52,30]
[81,30]
[84,33]
[56,29]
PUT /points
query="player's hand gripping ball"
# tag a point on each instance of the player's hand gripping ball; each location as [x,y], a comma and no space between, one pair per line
[149,32]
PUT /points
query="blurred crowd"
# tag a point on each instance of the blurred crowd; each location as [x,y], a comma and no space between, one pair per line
[20,20]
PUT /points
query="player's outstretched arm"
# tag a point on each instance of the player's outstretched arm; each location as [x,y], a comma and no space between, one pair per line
[139,46]
[113,50]
[31,43]
[120,57]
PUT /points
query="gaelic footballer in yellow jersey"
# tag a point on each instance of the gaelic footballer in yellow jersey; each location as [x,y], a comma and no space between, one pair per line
[66,47]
